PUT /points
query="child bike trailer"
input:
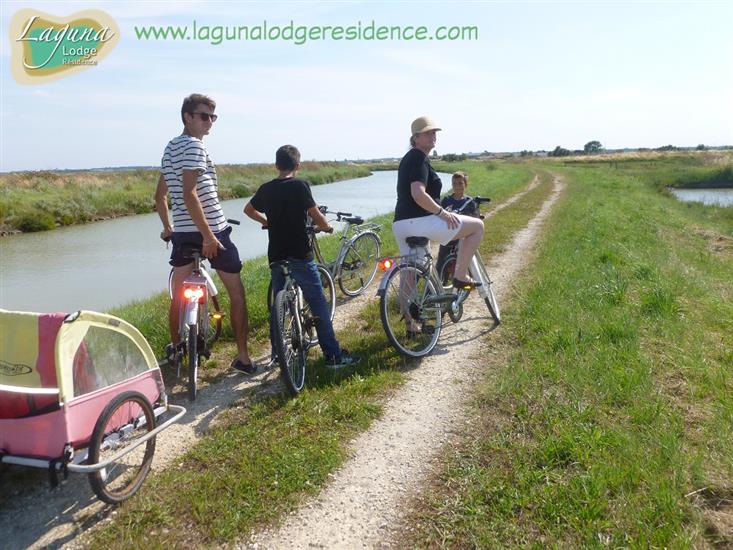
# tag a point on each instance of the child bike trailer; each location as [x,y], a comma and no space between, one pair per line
[81,393]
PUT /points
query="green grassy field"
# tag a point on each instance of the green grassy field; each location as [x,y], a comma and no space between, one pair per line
[266,454]
[604,418]
[606,413]
[39,201]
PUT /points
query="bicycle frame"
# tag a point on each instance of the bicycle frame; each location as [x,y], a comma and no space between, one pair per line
[345,239]
[443,298]
[415,260]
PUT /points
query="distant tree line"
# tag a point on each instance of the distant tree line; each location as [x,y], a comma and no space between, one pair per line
[452,157]
[590,148]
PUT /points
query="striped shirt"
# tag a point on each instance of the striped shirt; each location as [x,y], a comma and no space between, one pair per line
[187,152]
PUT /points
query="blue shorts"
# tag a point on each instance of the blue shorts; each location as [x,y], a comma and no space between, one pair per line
[226,260]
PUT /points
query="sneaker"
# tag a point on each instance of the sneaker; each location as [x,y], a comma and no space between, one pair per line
[172,353]
[344,360]
[246,368]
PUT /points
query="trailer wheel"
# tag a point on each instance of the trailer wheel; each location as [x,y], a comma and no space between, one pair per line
[123,422]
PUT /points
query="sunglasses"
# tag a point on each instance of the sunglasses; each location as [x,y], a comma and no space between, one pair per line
[206,116]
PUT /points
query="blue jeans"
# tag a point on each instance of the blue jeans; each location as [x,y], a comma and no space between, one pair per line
[306,275]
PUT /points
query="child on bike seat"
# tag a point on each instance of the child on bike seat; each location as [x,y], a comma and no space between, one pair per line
[282,205]
[460,203]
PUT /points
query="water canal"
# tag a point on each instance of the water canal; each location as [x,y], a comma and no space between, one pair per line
[106,264]
[713,197]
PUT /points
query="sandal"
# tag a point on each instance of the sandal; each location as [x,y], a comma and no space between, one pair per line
[412,334]
[465,285]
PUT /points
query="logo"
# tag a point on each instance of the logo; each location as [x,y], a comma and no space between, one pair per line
[10,369]
[45,48]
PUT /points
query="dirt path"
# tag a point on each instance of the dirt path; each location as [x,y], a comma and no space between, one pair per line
[32,516]
[364,499]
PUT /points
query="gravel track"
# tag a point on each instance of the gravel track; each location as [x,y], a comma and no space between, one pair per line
[365,500]
[32,516]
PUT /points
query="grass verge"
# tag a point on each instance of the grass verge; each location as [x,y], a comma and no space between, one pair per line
[39,201]
[606,415]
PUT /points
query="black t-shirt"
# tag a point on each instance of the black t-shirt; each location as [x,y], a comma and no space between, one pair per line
[284,202]
[454,204]
[415,166]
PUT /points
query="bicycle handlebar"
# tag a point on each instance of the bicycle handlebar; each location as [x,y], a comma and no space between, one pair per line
[478,201]
[339,215]
[314,229]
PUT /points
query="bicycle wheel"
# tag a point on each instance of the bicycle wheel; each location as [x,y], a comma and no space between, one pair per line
[486,290]
[329,292]
[290,345]
[447,272]
[359,264]
[124,421]
[270,296]
[409,295]
[193,361]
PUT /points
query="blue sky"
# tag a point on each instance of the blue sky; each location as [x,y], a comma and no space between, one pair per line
[541,74]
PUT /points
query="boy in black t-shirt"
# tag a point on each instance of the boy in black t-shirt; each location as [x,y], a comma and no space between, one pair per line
[460,203]
[281,205]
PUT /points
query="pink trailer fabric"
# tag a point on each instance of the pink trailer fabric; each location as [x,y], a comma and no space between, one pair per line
[17,405]
[45,435]
[98,356]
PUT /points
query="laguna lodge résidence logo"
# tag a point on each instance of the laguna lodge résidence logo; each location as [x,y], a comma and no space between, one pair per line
[45,47]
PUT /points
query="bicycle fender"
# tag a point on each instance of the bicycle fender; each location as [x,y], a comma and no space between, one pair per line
[191,313]
[383,283]
[213,291]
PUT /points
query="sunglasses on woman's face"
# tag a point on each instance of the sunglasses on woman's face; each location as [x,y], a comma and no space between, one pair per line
[206,116]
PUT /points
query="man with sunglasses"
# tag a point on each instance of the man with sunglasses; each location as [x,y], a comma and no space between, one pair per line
[188,178]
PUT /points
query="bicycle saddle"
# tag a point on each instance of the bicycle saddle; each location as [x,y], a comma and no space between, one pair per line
[189,250]
[414,242]
[280,264]
[356,220]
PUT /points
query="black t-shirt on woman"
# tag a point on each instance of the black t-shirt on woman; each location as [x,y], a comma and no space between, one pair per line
[284,202]
[415,166]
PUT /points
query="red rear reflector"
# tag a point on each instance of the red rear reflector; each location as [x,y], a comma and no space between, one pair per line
[193,292]
[386,264]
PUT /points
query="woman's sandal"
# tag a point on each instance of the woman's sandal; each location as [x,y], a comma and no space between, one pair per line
[412,334]
[465,285]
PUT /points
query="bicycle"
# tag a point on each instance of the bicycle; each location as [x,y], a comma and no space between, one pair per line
[356,261]
[413,300]
[295,330]
[329,290]
[200,318]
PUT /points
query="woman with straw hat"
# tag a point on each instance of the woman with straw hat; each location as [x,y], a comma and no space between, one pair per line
[418,211]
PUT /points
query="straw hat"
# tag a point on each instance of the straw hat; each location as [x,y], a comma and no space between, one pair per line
[423,124]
